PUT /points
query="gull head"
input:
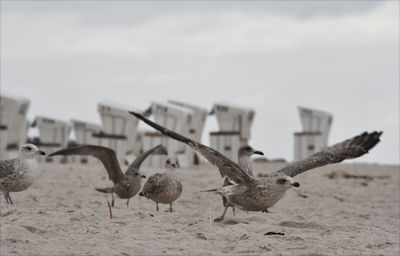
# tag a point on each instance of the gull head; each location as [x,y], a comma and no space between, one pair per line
[284,181]
[171,163]
[248,151]
[30,151]
[139,175]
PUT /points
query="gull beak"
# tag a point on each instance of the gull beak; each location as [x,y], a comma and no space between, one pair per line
[41,152]
[296,184]
[258,152]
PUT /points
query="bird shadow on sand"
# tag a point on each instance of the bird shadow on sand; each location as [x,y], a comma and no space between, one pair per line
[300,224]
[241,220]
[286,223]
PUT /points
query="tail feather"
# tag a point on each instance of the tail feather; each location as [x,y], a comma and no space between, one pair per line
[228,190]
[216,190]
[105,190]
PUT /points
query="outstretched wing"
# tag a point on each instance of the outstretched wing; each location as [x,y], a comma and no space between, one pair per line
[350,148]
[225,165]
[157,150]
[105,155]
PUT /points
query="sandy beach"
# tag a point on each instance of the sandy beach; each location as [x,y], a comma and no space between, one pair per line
[62,214]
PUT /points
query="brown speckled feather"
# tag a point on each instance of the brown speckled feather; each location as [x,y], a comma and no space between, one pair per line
[162,188]
[7,167]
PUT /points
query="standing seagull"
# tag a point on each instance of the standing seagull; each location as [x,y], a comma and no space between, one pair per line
[165,187]
[19,173]
[259,194]
[125,185]
[244,162]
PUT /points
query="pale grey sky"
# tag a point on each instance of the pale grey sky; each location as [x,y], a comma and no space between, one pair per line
[338,56]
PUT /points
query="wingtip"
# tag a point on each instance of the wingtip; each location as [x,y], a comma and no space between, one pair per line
[377,133]
[371,140]
[162,150]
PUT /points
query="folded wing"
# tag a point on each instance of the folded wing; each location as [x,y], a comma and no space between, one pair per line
[225,165]
[7,167]
[105,155]
[152,183]
[348,149]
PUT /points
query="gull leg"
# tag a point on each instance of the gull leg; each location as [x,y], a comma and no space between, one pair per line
[221,218]
[112,200]
[9,198]
[170,207]
[127,203]
[233,210]
[157,207]
[6,198]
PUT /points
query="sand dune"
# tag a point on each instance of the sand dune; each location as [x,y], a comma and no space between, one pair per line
[62,214]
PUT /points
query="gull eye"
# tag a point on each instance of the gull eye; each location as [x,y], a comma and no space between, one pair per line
[281,181]
[28,147]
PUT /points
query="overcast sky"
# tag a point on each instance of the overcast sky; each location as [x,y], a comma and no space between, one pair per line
[337,56]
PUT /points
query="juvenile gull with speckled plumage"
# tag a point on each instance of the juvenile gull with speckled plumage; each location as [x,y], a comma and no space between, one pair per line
[258,194]
[165,187]
[19,173]
[125,185]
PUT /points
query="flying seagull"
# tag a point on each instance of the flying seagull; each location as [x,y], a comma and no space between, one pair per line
[244,161]
[19,173]
[165,187]
[125,185]
[259,194]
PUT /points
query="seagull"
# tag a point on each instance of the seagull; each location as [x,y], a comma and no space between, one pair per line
[165,187]
[125,185]
[259,194]
[244,154]
[19,173]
